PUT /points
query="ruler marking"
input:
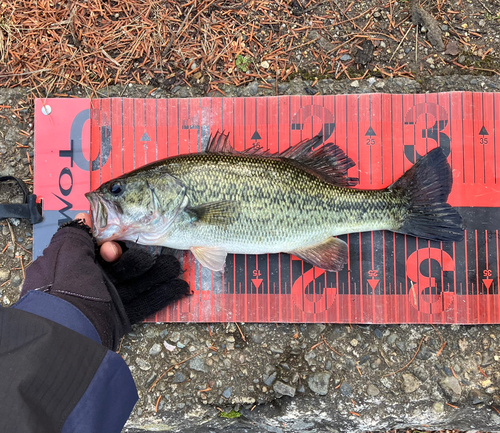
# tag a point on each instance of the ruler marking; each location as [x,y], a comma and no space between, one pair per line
[494,96]
[484,146]
[466,278]
[463,139]
[479,285]
[361,298]
[385,282]
[487,267]
[455,298]
[498,277]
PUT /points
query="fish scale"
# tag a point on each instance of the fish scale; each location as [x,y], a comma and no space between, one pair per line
[281,205]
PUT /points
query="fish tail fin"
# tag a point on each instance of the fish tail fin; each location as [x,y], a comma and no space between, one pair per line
[426,187]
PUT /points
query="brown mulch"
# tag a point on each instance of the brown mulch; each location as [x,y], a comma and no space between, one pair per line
[51,46]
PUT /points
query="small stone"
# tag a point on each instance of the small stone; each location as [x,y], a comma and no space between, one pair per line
[275,349]
[424,354]
[355,83]
[354,342]
[265,64]
[143,364]
[150,380]
[346,389]
[179,377]
[487,359]
[319,383]
[410,383]
[169,347]
[478,397]
[155,349]
[230,338]
[257,338]
[284,389]
[180,345]
[269,379]
[328,365]
[438,407]
[197,364]
[451,387]
[481,23]
[227,392]
[175,337]
[448,371]
[4,275]
[452,48]
[376,364]
[463,344]
[392,339]
[486,383]
[378,333]
[401,346]
[372,390]
[310,357]
[346,58]
[15,280]
[430,60]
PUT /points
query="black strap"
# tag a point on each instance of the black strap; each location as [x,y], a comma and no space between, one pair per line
[29,209]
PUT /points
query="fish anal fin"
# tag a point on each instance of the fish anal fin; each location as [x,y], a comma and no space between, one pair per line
[212,258]
[214,213]
[330,255]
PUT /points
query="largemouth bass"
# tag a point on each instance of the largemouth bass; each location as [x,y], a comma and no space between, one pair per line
[222,201]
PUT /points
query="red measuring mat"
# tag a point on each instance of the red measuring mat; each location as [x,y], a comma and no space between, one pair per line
[389,278]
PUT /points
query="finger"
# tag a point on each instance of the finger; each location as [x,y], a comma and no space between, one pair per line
[85,217]
[111,251]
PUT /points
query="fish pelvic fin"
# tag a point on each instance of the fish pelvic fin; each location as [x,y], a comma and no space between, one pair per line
[425,188]
[212,258]
[330,255]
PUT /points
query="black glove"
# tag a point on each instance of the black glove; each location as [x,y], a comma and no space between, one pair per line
[112,295]
[145,283]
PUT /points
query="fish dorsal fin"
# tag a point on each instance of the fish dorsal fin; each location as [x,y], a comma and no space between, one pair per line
[219,143]
[329,161]
[212,258]
[219,213]
[330,255]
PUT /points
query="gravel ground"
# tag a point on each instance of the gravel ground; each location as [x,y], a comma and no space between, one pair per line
[277,378]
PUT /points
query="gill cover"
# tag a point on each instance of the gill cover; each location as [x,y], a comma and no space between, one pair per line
[137,207]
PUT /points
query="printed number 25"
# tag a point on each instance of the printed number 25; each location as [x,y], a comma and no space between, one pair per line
[370,141]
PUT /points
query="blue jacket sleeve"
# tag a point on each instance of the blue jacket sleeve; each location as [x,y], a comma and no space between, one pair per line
[57,376]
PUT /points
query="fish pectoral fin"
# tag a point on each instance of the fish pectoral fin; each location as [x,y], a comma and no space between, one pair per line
[330,255]
[212,258]
[219,213]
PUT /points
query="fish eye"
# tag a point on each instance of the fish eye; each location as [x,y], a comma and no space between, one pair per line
[115,188]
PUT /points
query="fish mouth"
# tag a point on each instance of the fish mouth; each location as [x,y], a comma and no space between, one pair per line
[99,213]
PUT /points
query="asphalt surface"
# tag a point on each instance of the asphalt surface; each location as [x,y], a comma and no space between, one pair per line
[277,379]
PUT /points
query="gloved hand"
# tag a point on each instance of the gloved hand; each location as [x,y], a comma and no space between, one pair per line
[111,295]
